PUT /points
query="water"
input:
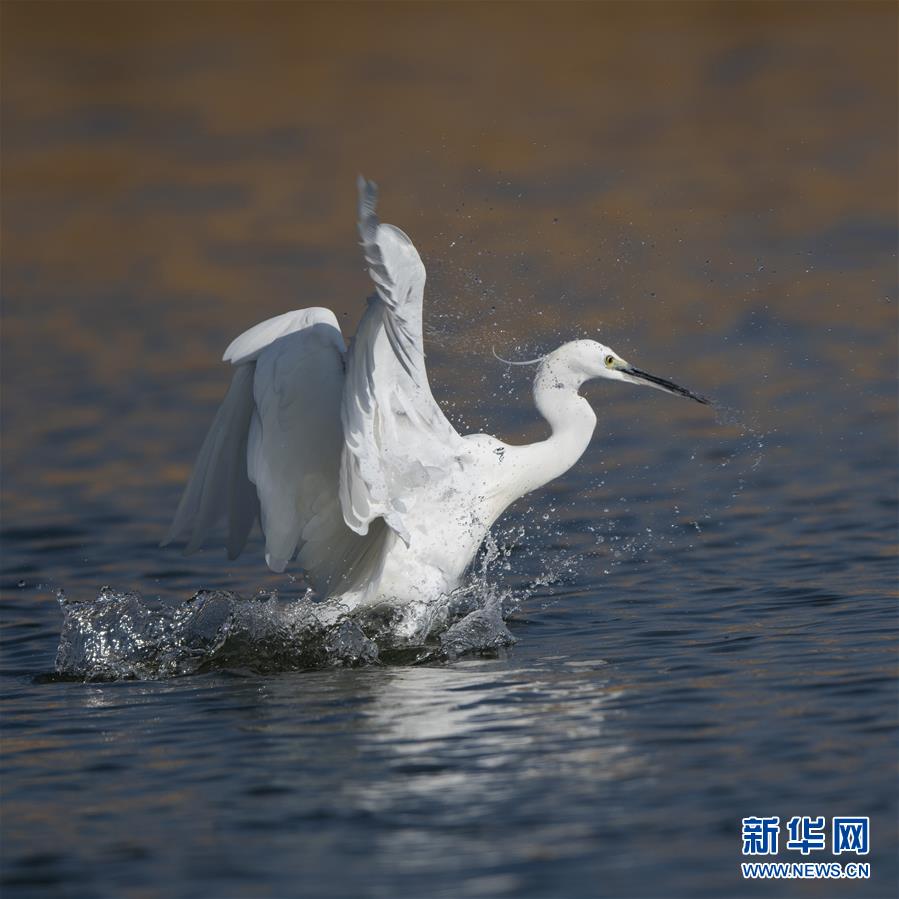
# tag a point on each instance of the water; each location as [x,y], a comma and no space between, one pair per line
[703,611]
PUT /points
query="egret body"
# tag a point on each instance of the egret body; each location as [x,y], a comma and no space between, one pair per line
[344,457]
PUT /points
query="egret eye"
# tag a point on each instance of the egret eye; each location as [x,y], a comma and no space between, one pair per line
[610,361]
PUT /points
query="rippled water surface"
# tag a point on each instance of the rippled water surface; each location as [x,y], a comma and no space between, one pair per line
[696,624]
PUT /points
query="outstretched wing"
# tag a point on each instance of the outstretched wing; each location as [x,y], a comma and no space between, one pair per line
[396,438]
[274,449]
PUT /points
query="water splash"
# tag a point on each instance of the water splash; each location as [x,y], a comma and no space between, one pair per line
[123,635]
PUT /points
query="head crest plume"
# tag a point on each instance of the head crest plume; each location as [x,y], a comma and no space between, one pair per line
[522,362]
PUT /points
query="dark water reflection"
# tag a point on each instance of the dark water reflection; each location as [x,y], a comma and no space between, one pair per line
[712,189]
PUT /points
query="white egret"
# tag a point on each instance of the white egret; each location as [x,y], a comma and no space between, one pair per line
[346,459]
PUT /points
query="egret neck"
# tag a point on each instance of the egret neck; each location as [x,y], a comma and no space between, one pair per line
[570,417]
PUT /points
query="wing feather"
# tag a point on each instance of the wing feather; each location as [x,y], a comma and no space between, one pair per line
[219,482]
[394,431]
[273,453]
[295,435]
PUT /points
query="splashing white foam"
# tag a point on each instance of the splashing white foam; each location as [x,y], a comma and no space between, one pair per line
[121,634]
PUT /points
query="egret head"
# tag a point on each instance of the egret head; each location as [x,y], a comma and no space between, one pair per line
[589,359]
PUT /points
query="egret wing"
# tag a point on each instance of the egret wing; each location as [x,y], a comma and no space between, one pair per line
[396,438]
[274,451]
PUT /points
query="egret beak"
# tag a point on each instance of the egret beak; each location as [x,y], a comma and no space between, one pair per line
[636,376]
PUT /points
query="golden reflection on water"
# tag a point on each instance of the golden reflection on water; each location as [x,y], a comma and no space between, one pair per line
[167,151]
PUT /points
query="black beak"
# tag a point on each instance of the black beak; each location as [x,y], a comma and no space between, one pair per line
[664,384]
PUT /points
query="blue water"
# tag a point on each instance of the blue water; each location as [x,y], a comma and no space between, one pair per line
[697,624]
